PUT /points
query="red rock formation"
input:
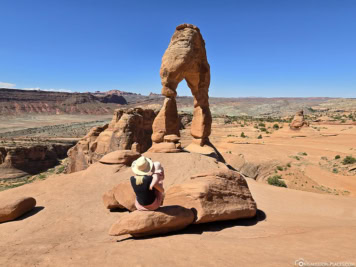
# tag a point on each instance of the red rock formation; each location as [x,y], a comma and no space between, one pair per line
[25,159]
[129,129]
[298,121]
[185,58]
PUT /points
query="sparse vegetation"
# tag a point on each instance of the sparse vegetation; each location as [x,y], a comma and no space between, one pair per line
[243,135]
[289,165]
[276,126]
[280,168]
[259,137]
[337,157]
[335,170]
[349,160]
[276,181]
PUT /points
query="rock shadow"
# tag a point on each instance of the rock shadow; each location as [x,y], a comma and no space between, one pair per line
[30,213]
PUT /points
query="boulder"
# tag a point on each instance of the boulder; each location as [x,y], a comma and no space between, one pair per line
[298,121]
[125,157]
[15,209]
[125,195]
[143,223]
[110,201]
[214,196]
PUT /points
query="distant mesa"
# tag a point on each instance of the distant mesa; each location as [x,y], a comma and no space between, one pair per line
[18,102]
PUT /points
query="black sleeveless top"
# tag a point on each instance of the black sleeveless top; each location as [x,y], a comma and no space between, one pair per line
[144,195]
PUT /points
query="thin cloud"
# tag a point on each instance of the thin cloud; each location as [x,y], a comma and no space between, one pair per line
[7,85]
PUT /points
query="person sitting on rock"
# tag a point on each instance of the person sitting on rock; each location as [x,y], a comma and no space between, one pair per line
[147,197]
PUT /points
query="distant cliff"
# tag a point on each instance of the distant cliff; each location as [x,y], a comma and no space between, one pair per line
[16,102]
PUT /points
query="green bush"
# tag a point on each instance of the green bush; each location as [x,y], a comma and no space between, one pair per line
[288,165]
[243,135]
[276,126]
[60,169]
[335,170]
[337,157]
[275,180]
[263,129]
[280,168]
[259,137]
[261,124]
[349,160]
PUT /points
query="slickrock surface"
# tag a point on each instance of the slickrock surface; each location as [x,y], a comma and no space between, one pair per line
[72,228]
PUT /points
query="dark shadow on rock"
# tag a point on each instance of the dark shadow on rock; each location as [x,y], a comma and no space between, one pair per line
[198,229]
[219,156]
[119,210]
[220,225]
[32,212]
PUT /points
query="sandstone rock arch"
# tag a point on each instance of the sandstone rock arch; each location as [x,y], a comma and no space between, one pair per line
[185,58]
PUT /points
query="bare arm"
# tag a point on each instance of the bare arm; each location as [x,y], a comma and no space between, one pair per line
[154,181]
[159,187]
[155,184]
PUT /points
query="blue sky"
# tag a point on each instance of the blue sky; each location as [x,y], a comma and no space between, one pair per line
[255,48]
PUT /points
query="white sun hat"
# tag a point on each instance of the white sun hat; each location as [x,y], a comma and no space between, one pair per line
[142,166]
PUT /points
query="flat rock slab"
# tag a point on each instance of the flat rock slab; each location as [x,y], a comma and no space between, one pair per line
[214,196]
[144,223]
[15,209]
[164,148]
[125,157]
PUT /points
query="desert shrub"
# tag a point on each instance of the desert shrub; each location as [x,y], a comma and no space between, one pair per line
[243,135]
[42,176]
[304,153]
[324,158]
[228,152]
[263,129]
[275,180]
[280,168]
[349,160]
[259,137]
[288,165]
[275,126]
[337,157]
[261,124]
[60,169]
[335,170]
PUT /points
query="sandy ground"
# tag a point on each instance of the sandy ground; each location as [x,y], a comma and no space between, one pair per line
[69,227]
[315,146]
